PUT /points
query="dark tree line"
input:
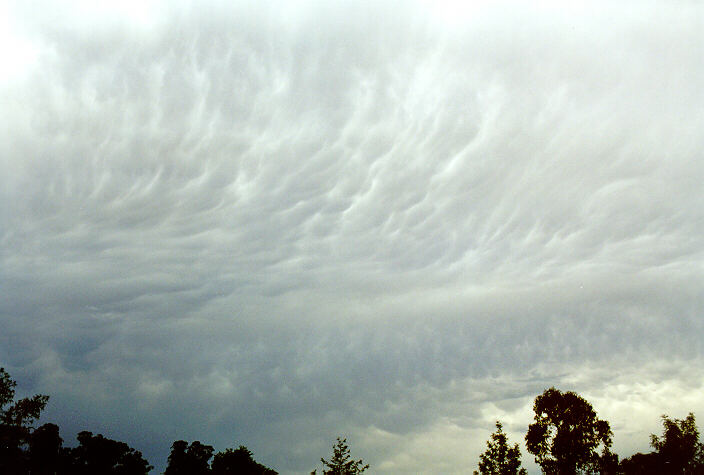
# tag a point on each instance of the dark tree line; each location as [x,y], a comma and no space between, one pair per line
[25,450]
[566,438]
[40,451]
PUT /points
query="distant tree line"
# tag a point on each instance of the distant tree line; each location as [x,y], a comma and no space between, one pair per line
[566,438]
[25,450]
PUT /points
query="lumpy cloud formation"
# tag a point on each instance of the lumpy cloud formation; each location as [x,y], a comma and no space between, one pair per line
[281,223]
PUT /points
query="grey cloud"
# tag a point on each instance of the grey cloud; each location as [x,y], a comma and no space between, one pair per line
[278,224]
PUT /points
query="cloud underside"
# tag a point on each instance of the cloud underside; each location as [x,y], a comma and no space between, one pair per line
[274,226]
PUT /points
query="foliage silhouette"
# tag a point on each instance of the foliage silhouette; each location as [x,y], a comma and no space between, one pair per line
[642,464]
[679,448]
[500,458]
[98,454]
[46,454]
[566,434]
[238,461]
[341,462]
[15,424]
[190,459]
[607,463]
[564,439]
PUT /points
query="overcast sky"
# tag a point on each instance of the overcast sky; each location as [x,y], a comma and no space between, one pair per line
[275,223]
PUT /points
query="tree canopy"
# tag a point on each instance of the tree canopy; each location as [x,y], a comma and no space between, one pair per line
[46,454]
[99,454]
[677,450]
[341,462]
[566,434]
[679,445]
[15,423]
[500,458]
[238,461]
[185,459]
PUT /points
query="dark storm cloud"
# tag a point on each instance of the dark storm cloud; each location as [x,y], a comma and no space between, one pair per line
[271,225]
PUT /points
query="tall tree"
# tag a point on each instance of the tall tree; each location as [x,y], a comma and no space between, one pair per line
[15,424]
[679,449]
[341,462]
[238,462]
[500,458]
[566,434]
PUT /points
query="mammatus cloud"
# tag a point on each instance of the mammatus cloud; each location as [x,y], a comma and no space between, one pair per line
[270,225]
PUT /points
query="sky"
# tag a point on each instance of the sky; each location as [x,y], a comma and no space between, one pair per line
[275,223]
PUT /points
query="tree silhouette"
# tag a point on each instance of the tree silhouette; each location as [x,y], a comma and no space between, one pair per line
[642,464]
[98,454]
[566,434]
[187,459]
[500,458]
[238,461]
[341,462]
[15,424]
[679,449]
[46,454]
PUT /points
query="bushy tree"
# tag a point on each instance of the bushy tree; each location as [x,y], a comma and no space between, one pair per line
[679,449]
[193,459]
[500,458]
[642,464]
[341,462]
[46,454]
[98,454]
[238,462]
[15,424]
[566,434]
